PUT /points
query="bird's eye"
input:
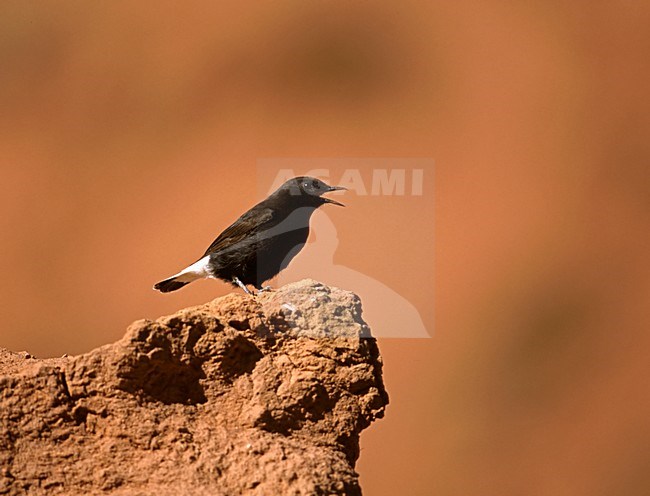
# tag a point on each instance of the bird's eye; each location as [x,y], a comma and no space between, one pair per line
[305,185]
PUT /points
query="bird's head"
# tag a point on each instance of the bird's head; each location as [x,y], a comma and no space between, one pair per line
[309,191]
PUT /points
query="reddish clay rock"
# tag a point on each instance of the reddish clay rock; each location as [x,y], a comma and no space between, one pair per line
[241,395]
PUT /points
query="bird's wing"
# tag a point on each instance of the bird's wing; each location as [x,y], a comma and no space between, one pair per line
[250,223]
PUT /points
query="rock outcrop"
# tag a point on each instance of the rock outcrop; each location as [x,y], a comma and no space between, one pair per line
[242,395]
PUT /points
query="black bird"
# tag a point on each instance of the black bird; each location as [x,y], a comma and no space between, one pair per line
[262,242]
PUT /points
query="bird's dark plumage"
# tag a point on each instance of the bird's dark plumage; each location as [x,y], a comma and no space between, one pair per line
[169,285]
[262,242]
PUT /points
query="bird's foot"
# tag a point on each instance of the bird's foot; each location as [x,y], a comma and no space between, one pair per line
[264,289]
[242,285]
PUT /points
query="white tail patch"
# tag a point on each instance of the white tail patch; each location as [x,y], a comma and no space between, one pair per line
[198,270]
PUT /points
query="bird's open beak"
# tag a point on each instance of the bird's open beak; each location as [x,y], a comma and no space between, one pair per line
[334,202]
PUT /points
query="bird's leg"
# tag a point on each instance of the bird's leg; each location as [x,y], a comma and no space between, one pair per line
[241,285]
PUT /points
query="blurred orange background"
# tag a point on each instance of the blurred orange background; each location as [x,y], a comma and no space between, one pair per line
[131,133]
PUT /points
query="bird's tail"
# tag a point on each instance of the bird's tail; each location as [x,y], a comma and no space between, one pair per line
[197,270]
[169,285]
